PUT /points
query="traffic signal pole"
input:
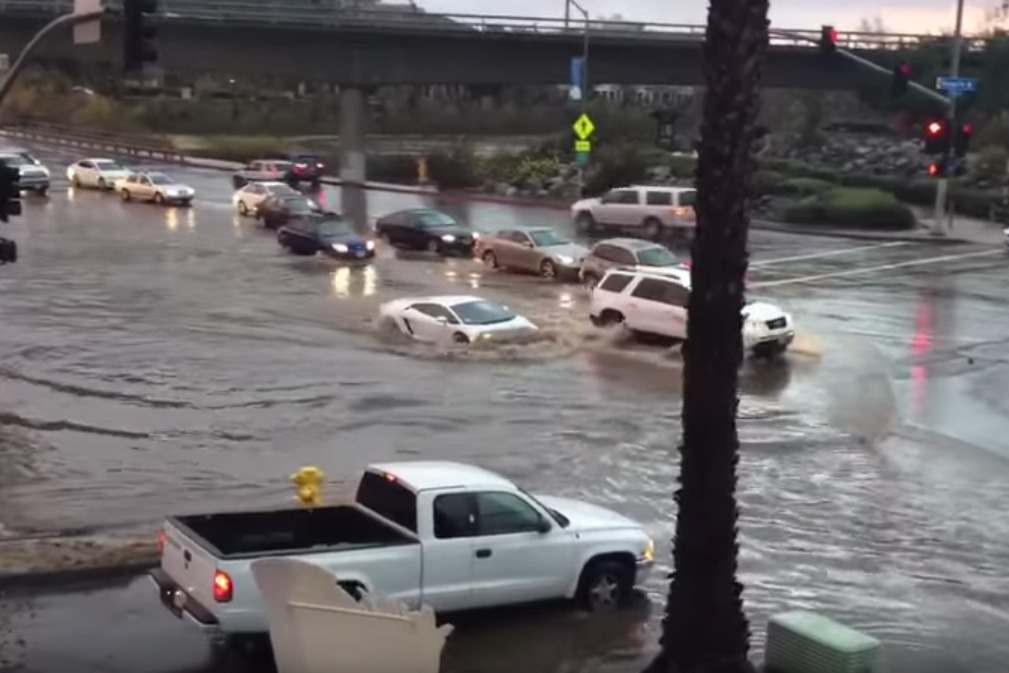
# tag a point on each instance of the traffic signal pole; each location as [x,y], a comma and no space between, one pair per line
[940,226]
[52,26]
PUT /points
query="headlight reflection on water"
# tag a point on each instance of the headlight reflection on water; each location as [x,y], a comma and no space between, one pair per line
[351,282]
[172,219]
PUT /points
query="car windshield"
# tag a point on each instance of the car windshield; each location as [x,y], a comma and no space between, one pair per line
[14,160]
[544,238]
[432,219]
[335,227]
[280,189]
[482,312]
[306,158]
[299,205]
[107,165]
[688,198]
[657,256]
[160,179]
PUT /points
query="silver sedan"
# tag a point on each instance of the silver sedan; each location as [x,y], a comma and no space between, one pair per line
[540,250]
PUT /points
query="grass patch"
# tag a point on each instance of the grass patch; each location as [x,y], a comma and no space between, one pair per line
[851,207]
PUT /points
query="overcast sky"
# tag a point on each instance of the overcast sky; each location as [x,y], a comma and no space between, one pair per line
[899,16]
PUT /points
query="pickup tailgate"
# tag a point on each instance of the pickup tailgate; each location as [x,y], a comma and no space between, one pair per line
[189,565]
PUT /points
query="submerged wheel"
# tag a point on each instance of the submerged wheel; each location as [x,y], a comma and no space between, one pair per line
[460,338]
[606,586]
[490,259]
[548,270]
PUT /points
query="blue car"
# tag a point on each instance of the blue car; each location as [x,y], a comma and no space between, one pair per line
[328,234]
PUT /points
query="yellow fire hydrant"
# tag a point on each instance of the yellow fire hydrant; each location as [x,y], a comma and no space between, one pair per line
[309,482]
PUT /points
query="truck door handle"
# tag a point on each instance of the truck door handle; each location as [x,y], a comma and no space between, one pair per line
[187,556]
[483,553]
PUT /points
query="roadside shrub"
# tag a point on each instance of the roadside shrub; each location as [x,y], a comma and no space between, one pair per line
[535,170]
[682,166]
[990,163]
[453,170]
[852,207]
[805,187]
[615,166]
[231,148]
[765,183]
[394,168]
[799,169]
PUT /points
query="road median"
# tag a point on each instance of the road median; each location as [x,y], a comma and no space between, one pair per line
[33,563]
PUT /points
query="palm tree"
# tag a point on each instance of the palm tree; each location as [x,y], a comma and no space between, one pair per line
[704,628]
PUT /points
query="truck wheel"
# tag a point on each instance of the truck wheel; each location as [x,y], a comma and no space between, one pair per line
[460,338]
[490,259]
[653,228]
[605,586]
[585,222]
[610,317]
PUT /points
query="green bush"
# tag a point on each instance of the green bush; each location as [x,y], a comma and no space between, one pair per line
[615,166]
[852,207]
[231,148]
[767,182]
[453,170]
[990,163]
[799,169]
[805,187]
[394,168]
[682,166]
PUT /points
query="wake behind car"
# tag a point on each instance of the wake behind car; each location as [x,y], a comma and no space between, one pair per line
[448,535]
[33,176]
[656,303]
[156,188]
[460,319]
[426,229]
[540,250]
[330,235]
[96,173]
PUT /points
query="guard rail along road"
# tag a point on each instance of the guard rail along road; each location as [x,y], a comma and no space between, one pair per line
[321,13]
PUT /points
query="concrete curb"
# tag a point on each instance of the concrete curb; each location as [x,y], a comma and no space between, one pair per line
[45,579]
[855,234]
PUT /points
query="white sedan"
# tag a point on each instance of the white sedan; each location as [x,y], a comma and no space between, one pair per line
[767,329]
[455,318]
[155,187]
[248,198]
[98,173]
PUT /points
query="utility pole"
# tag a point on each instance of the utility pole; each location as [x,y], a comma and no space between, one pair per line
[939,224]
[586,87]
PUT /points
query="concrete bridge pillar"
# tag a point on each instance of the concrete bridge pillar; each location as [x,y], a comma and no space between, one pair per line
[353,198]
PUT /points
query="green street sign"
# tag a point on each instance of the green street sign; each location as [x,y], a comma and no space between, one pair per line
[582,158]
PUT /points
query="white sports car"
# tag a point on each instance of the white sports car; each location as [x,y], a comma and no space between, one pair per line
[455,318]
[98,173]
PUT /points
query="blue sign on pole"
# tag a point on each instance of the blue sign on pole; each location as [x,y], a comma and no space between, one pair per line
[575,93]
[955,86]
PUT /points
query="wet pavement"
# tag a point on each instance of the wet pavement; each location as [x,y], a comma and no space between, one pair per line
[161,360]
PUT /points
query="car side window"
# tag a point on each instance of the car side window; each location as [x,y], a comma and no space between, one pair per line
[454,516]
[624,196]
[145,180]
[501,513]
[659,198]
[85,164]
[653,289]
[604,252]
[615,282]
[677,295]
[436,311]
[520,237]
[621,256]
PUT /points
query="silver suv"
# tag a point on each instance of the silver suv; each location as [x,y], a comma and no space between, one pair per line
[33,176]
[628,252]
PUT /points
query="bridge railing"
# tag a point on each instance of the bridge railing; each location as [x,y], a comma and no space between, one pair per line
[326,13]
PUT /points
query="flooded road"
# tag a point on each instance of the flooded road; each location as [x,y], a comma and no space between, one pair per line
[160,360]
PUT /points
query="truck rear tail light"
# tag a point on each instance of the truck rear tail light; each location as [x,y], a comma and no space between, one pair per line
[161,541]
[222,587]
[681,212]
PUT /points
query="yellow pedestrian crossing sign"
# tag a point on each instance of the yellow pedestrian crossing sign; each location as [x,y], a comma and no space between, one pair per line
[583,146]
[584,127]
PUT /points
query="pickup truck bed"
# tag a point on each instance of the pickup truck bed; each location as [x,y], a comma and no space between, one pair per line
[236,535]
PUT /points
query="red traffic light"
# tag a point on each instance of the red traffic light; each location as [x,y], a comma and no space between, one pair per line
[933,170]
[968,129]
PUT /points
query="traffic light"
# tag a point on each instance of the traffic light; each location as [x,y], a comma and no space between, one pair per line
[937,169]
[10,192]
[828,41]
[943,168]
[901,79]
[936,136]
[961,144]
[137,35]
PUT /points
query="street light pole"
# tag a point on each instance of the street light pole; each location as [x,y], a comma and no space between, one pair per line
[939,224]
[585,78]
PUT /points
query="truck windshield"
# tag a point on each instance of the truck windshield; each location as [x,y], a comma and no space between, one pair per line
[388,498]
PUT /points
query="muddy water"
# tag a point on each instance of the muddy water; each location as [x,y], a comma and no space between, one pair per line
[164,360]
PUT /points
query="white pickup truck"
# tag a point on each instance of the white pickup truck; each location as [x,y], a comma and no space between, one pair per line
[448,535]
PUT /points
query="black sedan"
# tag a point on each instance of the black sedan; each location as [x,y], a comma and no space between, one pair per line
[278,209]
[425,229]
[328,234]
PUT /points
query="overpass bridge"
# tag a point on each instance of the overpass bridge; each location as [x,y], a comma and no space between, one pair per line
[384,45]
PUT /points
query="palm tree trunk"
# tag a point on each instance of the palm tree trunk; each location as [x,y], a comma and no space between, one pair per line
[704,627]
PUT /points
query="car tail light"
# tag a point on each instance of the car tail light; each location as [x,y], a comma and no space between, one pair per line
[161,541]
[681,212]
[222,587]
[687,264]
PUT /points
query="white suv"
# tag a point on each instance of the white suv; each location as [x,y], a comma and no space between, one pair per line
[652,210]
[656,303]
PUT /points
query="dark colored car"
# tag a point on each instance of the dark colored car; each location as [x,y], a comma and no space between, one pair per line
[329,234]
[425,229]
[280,208]
[305,167]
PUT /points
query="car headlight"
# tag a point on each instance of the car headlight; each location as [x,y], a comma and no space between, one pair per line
[339,247]
[648,555]
[564,259]
[476,235]
[370,245]
[448,238]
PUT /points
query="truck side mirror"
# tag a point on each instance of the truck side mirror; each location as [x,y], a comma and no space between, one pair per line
[543,526]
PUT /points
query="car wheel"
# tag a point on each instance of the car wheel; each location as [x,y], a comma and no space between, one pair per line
[460,338]
[548,270]
[42,191]
[585,222]
[126,195]
[243,209]
[653,228]
[75,181]
[102,184]
[158,198]
[490,259]
[433,245]
[606,586]
[609,317]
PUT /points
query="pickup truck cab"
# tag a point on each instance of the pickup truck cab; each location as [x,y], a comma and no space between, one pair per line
[451,536]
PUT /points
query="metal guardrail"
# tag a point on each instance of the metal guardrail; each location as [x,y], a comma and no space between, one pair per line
[93,143]
[330,13]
